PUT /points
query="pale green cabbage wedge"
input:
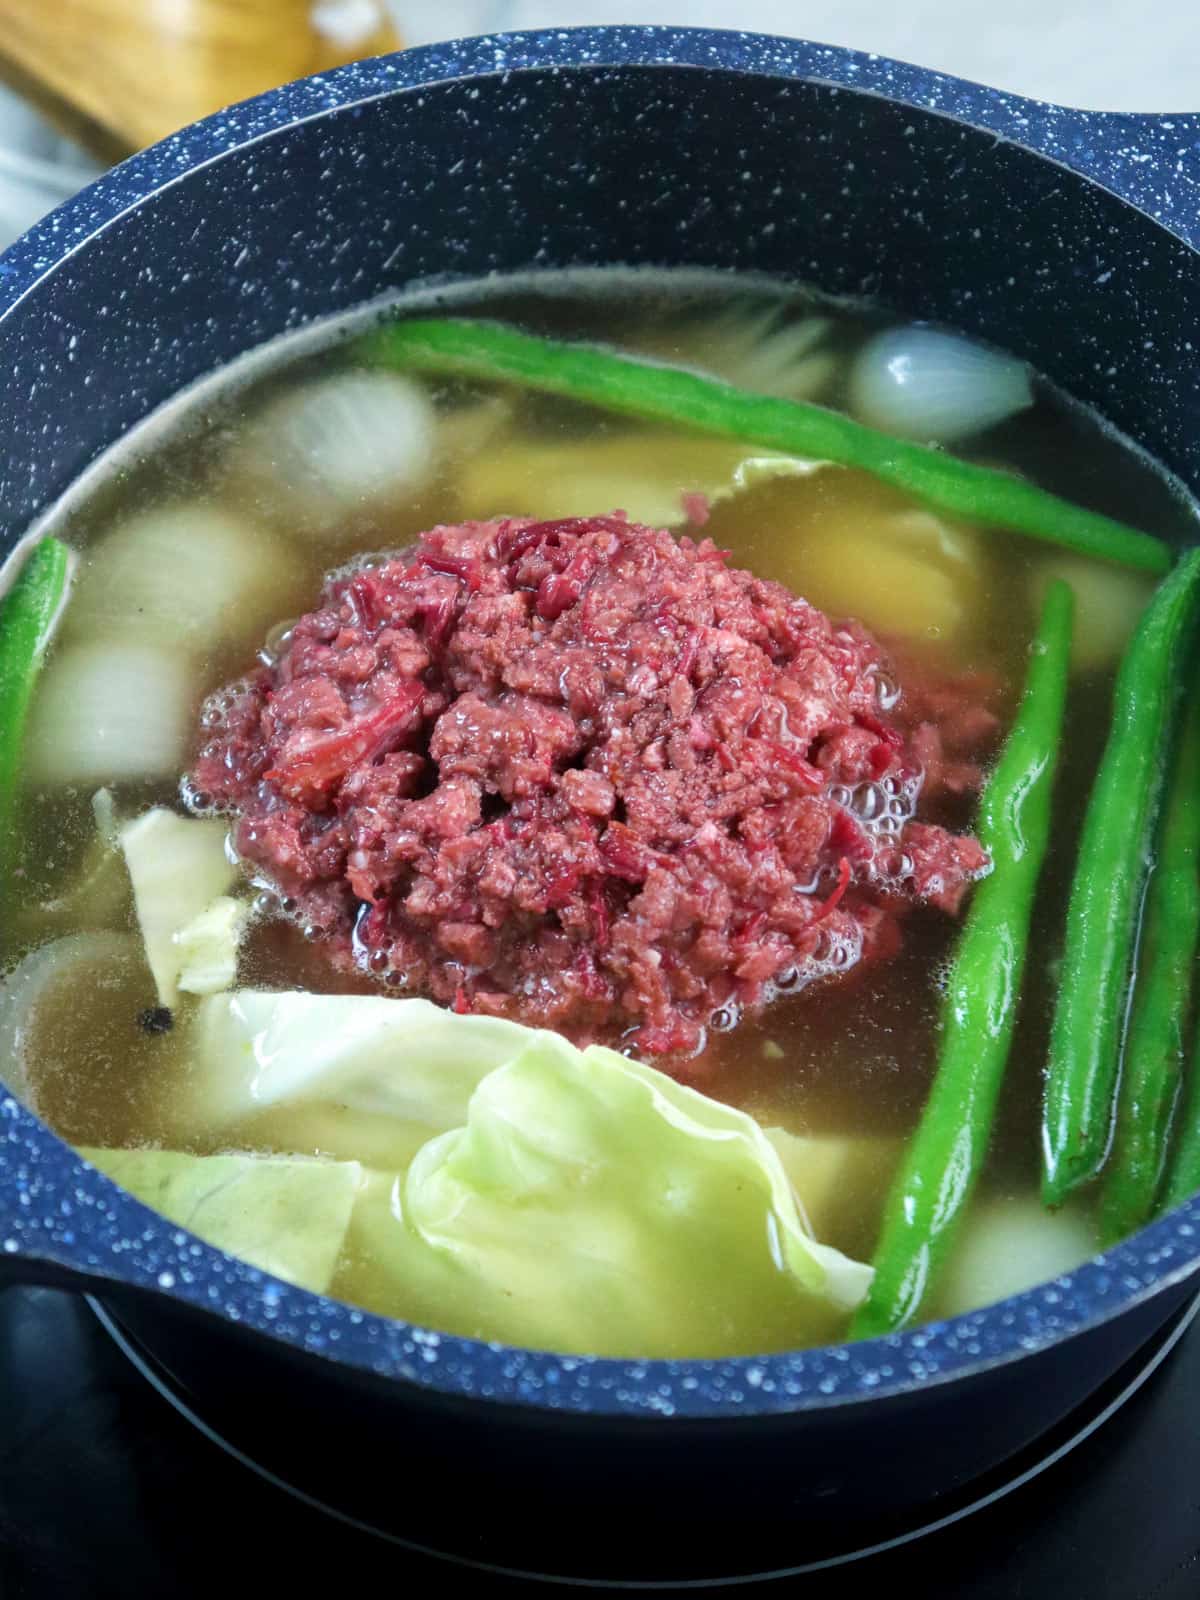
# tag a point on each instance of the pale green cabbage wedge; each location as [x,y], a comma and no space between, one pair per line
[358,1077]
[523,1190]
[287,1215]
[593,1204]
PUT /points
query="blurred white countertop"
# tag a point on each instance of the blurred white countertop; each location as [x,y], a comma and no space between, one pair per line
[1113,55]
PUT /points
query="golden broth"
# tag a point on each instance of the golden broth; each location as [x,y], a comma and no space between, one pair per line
[851,1056]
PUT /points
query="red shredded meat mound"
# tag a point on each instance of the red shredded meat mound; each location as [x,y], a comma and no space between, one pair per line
[584,774]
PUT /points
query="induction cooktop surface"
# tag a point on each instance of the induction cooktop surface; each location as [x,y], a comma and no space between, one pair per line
[108,1491]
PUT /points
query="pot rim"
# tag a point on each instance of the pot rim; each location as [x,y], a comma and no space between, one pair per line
[66,1221]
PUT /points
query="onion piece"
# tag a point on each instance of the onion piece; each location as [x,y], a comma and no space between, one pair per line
[96,896]
[104,814]
[464,429]
[57,974]
[105,712]
[921,383]
[186,575]
[754,345]
[339,445]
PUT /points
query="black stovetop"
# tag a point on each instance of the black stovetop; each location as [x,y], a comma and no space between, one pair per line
[107,1494]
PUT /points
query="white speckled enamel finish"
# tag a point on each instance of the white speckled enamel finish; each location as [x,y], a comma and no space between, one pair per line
[59,1219]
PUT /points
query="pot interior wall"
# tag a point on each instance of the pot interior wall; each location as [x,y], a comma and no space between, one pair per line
[640,165]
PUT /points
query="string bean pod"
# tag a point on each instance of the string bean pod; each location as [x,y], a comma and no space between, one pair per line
[1183,1170]
[491,352]
[28,612]
[937,1172]
[1154,1049]
[1106,892]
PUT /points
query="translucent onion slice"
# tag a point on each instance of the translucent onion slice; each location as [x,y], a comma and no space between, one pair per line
[754,345]
[111,711]
[185,575]
[95,895]
[921,383]
[92,894]
[54,975]
[353,442]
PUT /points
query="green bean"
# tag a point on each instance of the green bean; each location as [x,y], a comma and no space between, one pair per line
[1106,892]
[1154,1047]
[27,616]
[613,382]
[1183,1168]
[938,1169]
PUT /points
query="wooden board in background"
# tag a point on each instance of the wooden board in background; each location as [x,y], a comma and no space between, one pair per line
[119,74]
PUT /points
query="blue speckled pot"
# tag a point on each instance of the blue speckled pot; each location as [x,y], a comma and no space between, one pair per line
[1070,238]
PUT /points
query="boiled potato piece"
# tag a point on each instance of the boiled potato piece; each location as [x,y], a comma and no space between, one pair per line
[861,549]
[1010,1245]
[1108,602]
[831,1174]
[644,474]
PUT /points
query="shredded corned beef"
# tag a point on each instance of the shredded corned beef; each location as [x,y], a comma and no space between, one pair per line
[584,774]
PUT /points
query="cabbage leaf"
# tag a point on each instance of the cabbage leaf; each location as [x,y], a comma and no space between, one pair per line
[527,1191]
[178,867]
[591,1203]
[208,946]
[358,1077]
[285,1214]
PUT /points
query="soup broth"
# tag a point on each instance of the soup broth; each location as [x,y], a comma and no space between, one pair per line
[846,1062]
